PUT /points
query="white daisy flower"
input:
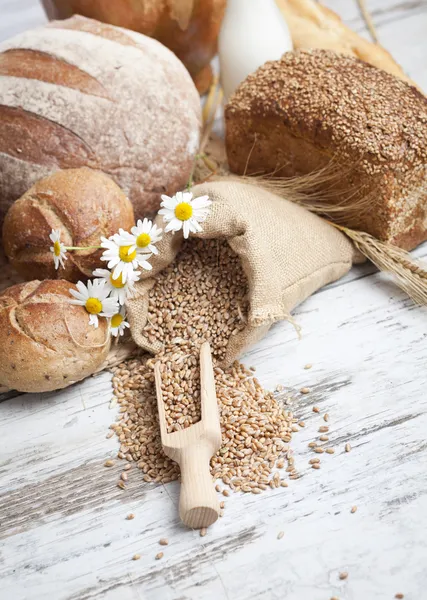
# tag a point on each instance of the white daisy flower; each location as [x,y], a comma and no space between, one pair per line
[182,211]
[58,248]
[94,298]
[116,287]
[118,323]
[122,258]
[142,238]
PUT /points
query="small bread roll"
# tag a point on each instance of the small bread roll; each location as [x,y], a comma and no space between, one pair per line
[83,205]
[46,343]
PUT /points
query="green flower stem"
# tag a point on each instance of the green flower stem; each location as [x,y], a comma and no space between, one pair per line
[82,247]
[193,168]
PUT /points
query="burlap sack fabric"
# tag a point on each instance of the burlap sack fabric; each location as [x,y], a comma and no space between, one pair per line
[287,254]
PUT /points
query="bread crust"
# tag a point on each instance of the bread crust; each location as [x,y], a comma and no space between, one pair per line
[313,25]
[46,343]
[81,93]
[313,108]
[187,27]
[83,205]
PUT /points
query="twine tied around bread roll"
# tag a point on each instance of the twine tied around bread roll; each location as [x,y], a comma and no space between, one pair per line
[91,346]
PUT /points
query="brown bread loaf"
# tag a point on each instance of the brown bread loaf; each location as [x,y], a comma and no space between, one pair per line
[80,203]
[80,93]
[188,27]
[46,343]
[313,25]
[315,108]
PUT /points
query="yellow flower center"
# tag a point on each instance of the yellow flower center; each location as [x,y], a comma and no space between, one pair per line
[116,320]
[124,254]
[93,306]
[56,248]
[117,282]
[143,240]
[183,211]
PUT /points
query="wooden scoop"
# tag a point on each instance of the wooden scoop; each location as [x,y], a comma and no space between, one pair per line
[193,447]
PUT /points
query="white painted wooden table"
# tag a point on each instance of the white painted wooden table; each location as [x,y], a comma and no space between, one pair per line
[63,533]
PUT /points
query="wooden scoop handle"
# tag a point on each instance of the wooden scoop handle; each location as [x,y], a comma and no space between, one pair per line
[198,502]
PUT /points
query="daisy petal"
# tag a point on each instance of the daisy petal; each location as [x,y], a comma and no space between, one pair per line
[186,229]
[77,302]
[173,225]
[201,202]
[93,320]
[167,214]
[195,227]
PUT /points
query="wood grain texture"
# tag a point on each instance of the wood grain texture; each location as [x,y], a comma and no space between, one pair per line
[63,531]
[193,447]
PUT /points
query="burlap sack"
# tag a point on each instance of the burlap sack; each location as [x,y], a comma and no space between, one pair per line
[287,254]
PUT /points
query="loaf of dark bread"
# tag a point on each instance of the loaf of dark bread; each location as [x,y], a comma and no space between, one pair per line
[315,109]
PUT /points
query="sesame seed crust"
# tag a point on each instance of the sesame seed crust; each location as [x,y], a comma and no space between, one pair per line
[341,104]
[315,110]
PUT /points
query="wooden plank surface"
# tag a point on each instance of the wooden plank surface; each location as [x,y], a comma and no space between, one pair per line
[63,532]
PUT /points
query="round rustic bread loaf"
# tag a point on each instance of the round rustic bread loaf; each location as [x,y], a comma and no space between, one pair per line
[46,343]
[80,93]
[188,27]
[80,203]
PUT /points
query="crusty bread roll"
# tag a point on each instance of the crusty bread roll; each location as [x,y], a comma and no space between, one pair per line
[46,343]
[313,25]
[80,203]
[80,93]
[188,27]
[315,109]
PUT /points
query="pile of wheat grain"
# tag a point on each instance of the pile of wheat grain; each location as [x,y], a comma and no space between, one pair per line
[256,429]
[201,297]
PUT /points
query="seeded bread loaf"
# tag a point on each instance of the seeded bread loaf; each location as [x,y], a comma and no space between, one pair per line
[80,93]
[315,109]
[82,205]
[46,343]
[313,25]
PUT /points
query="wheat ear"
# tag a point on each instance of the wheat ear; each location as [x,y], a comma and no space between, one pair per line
[409,275]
